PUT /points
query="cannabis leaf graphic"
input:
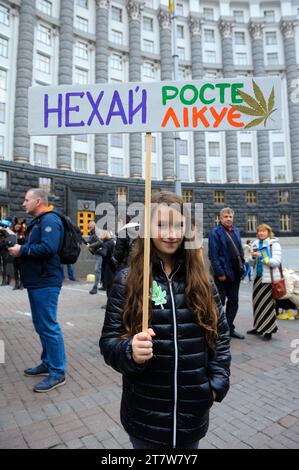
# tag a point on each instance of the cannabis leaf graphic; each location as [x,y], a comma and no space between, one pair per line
[158,296]
[257,107]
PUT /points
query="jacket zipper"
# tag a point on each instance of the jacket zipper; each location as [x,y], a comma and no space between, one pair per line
[175,356]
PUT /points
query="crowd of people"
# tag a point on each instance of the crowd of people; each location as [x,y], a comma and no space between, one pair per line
[175,370]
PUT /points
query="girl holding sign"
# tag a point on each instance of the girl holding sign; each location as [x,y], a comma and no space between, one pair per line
[266,255]
[174,371]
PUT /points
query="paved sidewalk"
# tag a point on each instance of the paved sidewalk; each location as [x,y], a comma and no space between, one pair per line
[260,411]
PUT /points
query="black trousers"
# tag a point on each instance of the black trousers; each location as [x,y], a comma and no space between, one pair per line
[229,294]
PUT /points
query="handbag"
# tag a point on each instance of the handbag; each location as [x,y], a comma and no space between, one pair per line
[278,287]
[240,259]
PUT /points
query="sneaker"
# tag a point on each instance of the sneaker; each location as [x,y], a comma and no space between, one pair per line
[94,290]
[49,384]
[267,336]
[42,369]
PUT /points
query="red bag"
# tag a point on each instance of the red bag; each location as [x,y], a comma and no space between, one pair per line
[278,287]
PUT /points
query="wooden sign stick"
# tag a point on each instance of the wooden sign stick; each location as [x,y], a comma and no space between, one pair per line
[147,230]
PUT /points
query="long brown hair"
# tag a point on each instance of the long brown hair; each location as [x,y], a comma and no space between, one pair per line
[198,288]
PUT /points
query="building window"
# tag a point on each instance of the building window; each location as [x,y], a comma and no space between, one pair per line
[81,137]
[280,174]
[271,38]
[81,50]
[216,219]
[43,34]
[238,16]
[82,24]
[245,148]
[219,197]
[82,3]
[2,112]
[269,16]
[285,223]
[210,57]
[4,15]
[251,223]
[184,172]
[116,166]
[122,191]
[3,79]
[181,53]
[148,46]
[81,76]
[187,196]
[215,174]
[239,38]
[116,140]
[3,47]
[116,62]
[278,149]
[43,63]
[149,70]
[3,211]
[209,35]
[214,149]
[241,58]
[3,180]
[45,184]
[272,58]
[116,36]
[45,6]
[180,32]
[208,14]
[246,174]
[116,14]
[154,143]
[1,147]
[40,155]
[183,147]
[180,9]
[148,23]
[284,197]
[81,162]
[251,197]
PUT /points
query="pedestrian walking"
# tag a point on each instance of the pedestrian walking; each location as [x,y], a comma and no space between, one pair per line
[265,255]
[174,371]
[94,244]
[247,255]
[227,263]
[42,275]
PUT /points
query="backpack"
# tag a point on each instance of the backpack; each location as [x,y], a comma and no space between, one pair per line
[70,249]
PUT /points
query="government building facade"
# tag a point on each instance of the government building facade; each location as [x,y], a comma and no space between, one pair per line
[55,42]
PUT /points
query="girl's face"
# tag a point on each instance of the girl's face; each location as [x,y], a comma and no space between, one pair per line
[263,234]
[167,229]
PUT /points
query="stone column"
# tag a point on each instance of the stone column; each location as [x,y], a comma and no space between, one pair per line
[166,74]
[200,162]
[134,8]
[231,141]
[24,73]
[101,72]
[287,27]
[256,30]
[65,76]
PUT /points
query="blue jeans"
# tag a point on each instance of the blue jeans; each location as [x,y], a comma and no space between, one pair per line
[98,270]
[43,304]
[70,272]
[139,444]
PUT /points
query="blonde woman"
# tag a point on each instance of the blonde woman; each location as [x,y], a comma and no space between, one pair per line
[265,255]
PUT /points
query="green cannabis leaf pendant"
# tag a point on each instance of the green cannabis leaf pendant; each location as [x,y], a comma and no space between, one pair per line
[158,296]
[257,107]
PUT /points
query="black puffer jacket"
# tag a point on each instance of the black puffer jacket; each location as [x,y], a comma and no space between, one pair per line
[166,401]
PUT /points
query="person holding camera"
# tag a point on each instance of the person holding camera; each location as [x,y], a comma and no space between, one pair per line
[94,244]
[7,239]
[227,262]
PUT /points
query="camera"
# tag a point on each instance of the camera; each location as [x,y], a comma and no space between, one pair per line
[5,223]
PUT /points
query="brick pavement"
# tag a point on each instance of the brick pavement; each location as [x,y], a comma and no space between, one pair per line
[261,410]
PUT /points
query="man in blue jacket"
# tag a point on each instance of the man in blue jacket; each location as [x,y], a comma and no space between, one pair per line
[226,253]
[42,275]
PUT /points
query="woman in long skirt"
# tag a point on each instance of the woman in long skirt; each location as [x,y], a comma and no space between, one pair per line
[266,255]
